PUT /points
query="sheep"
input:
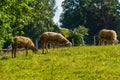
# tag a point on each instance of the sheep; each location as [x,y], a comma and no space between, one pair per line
[53,38]
[22,42]
[107,37]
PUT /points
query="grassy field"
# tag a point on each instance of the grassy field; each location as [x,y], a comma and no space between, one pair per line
[76,63]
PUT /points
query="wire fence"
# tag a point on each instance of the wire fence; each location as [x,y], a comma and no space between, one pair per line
[92,40]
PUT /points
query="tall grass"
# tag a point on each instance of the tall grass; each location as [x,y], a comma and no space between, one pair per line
[76,63]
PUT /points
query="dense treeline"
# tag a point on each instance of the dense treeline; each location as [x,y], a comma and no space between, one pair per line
[29,18]
[81,18]
[93,14]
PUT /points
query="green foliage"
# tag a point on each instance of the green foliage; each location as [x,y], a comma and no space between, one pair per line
[65,32]
[15,15]
[78,34]
[43,19]
[93,14]
[75,63]
[56,28]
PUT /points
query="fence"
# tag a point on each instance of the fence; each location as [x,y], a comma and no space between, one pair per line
[8,50]
[92,40]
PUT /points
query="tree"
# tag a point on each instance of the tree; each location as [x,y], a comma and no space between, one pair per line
[93,14]
[74,13]
[13,16]
[17,14]
[78,34]
[43,21]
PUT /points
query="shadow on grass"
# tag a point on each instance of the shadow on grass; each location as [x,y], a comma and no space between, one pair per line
[4,58]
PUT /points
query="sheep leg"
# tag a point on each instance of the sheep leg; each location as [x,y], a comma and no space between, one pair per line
[100,42]
[12,52]
[43,46]
[46,46]
[57,45]
[43,50]
[15,50]
[26,51]
[53,46]
[110,42]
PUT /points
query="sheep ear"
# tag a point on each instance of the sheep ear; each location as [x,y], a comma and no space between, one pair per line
[67,42]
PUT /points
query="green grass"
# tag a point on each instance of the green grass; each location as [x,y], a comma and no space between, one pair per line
[75,63]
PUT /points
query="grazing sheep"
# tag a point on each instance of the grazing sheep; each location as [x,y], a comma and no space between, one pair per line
[22,42]
[107,37]
[53,38]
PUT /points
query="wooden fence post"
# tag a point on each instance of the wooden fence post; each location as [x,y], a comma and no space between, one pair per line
[72,42]
[36,43]
[94,40]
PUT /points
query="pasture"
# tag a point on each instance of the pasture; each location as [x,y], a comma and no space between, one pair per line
[75,63]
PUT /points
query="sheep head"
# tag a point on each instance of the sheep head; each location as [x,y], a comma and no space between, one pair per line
[35,50]
[69,43]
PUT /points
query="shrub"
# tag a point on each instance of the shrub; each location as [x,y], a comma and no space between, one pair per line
[78,34]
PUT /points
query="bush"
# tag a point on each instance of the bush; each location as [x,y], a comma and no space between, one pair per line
[64,31]
[78,34]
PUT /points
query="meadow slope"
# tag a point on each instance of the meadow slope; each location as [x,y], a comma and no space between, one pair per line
[75,63]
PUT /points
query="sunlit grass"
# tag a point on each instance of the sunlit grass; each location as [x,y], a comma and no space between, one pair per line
[75,63]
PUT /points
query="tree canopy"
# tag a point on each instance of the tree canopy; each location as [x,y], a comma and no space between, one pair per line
[93,14]
[15,15]
[43,21]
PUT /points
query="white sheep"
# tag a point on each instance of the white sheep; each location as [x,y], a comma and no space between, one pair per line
[22,42]
[53,38]
[107,37]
